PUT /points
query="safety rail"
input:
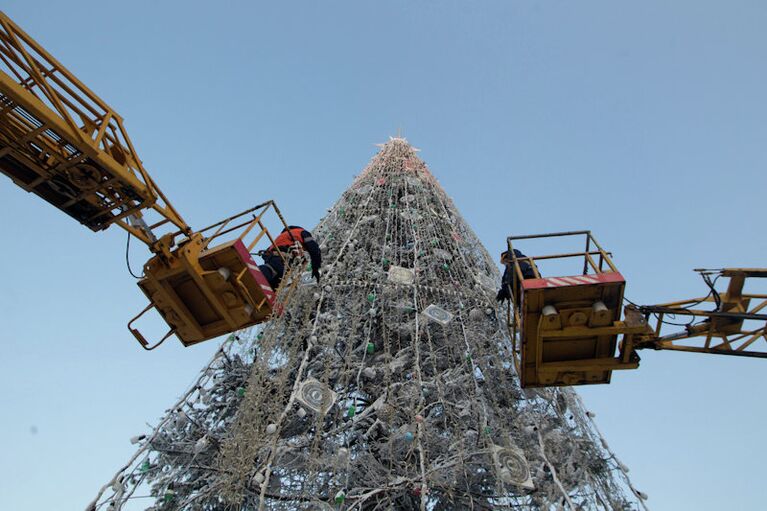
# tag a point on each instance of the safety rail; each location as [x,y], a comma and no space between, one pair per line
[588,263]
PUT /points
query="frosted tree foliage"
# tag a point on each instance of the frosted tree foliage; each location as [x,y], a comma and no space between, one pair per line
[388,386]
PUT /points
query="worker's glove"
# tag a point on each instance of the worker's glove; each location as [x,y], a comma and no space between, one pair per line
[503,294]
[316,274]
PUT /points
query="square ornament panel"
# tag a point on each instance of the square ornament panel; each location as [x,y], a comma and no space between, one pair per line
[438,314]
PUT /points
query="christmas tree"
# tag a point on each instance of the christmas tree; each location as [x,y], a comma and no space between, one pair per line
[389,385]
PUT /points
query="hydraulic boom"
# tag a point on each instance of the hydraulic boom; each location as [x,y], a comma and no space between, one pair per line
[62,142]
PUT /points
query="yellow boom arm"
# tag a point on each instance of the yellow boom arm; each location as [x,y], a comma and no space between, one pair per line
[62,142]
[736,326]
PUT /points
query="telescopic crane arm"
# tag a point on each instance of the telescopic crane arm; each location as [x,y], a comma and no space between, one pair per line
[59,140]
[64,143]
[733,327]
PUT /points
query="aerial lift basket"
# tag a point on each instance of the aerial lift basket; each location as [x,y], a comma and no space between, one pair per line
[568,326]
[203,292]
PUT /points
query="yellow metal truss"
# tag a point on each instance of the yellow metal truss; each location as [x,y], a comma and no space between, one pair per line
[59,140]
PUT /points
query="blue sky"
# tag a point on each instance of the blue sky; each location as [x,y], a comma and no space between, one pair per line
[644,122]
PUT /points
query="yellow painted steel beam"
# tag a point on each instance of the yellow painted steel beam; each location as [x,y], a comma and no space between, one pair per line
[54,129]
[61,141]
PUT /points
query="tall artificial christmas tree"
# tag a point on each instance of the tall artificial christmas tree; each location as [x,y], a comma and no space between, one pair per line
[389,385]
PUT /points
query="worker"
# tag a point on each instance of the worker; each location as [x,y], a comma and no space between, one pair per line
[291,240]
[509,274]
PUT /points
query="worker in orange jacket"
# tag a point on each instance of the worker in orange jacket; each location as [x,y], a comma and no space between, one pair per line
[291,239]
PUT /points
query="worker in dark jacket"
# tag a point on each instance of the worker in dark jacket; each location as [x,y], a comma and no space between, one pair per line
[509,275]
[289,242]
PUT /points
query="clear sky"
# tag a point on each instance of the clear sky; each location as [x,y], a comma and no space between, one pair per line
[643,121]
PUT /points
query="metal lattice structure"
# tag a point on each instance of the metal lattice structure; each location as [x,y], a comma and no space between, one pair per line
[388,386]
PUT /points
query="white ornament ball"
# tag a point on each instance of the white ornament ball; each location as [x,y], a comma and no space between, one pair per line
[271,429]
